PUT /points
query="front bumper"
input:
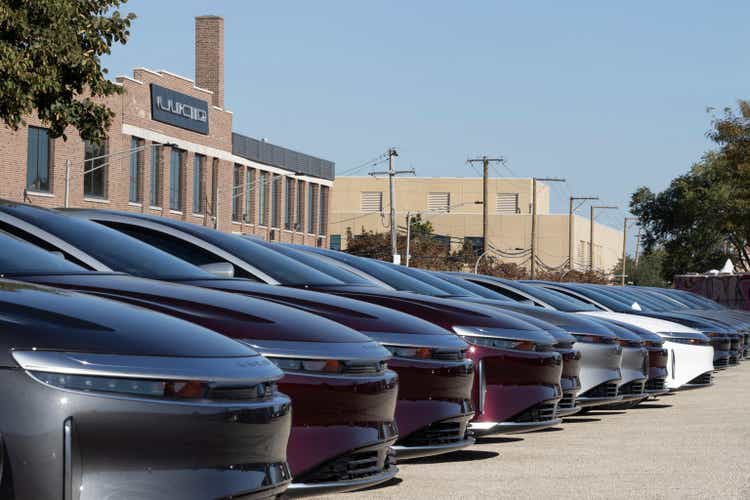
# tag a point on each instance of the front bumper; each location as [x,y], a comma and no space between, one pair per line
[91,446]
[686,363]
[515,391]
[335,415]
[600,363]
[434,406]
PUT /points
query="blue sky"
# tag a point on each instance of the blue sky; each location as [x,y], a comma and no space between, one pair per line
[608,96]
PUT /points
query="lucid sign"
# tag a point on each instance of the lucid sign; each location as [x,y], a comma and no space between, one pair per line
[179,109]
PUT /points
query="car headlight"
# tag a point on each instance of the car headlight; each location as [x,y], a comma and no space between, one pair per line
[501,338]
[153,377]
[411,352]
[630,343]
[683,339]
[329,366]
[588,338]
[519,345]
[145,388]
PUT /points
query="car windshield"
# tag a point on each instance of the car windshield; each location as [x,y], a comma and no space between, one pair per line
[645,303]
[615,304]
[432,280]
[382,272]
[553,298]
[114,249]
[19,258]
[472,287]
[283,269]
[317,263]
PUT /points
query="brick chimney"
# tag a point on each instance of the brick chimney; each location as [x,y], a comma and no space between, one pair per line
[209,56]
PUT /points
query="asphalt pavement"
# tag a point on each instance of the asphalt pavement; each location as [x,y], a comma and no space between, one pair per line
[691,444]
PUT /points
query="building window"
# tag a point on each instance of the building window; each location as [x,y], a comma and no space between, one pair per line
[250,195]
[95,170]
[237,192]
[439,202]
[290,203]
[155,177]
[175,179]
[371,201]
[300,215]
[323,211]
[506,203]
[38,160]
[275,200]
[215,189]
[136,170]
[312,202]
[199,187]
[263,198]
[335,243]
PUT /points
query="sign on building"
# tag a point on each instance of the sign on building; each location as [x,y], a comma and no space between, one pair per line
[178,109]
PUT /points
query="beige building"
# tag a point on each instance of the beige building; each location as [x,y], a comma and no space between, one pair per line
[453,206]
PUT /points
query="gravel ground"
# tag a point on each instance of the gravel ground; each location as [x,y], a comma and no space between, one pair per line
[692,444]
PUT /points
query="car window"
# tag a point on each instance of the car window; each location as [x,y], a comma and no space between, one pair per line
[112,248]
[432,280]
[280,267]
[565,303]
[472,287]
[20,258]
[383,273]
[319,264]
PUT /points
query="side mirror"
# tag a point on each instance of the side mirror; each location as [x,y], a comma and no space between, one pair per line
[219,269]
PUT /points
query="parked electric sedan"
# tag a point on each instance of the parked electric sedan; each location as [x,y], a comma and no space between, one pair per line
[344,396]
[663,303]
[707,307]
[108,400]
[517,383]
[553,300]
[434,402]
[725,334]
[607,377]
[691,356]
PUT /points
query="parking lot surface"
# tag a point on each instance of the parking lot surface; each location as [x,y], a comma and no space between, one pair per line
[692,444]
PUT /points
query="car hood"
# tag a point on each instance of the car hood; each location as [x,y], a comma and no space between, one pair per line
[448,313]
[654,325]
[233,315]
[43,318]
[693,321]
[356,314]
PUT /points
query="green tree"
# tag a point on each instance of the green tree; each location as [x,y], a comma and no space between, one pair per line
[648,272]
[50,62]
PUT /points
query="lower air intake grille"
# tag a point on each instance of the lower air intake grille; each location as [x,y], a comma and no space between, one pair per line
[605,390]
[568,401]
[704,379]
[448,355]
[721,362]
[631,389]
[439,433]
[655,384]
[540,413]
[357,465]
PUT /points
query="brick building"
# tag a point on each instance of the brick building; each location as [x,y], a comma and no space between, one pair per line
[171,151]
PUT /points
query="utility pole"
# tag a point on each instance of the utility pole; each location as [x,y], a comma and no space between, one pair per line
[392,173]
[637,247]
[485,193]
[534,180]
[571,222]
[624,244]
[591,235]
